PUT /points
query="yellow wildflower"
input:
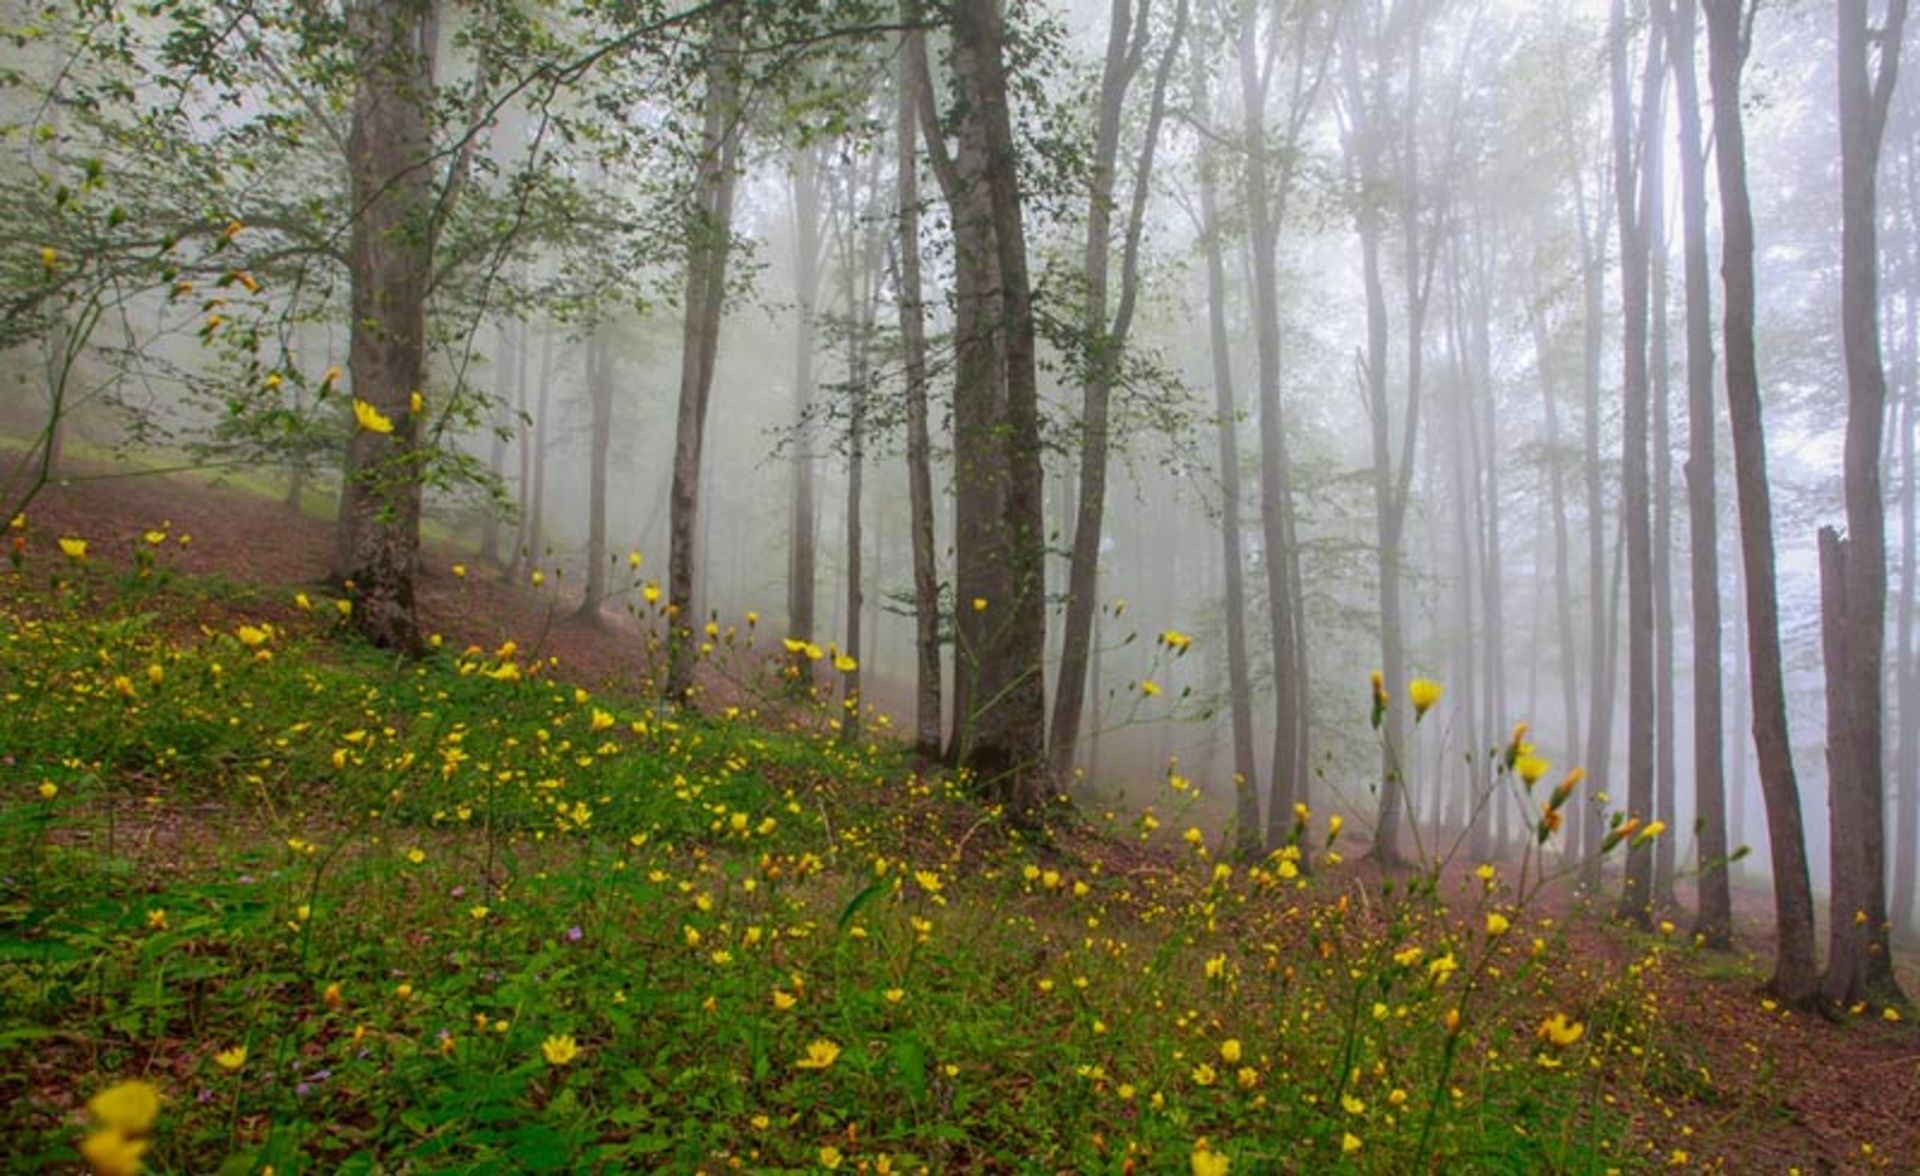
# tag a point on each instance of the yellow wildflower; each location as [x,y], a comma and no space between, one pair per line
[231,1059]
[369,418]
[74,549]
[820,1054]
[1423,693]
[560,1049]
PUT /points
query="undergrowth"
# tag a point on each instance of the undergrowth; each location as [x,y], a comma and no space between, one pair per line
[347,913]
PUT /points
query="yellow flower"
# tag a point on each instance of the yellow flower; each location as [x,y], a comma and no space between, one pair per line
[979,604]
[157,918]
[820,1054]
[845,664]
[539,577]
[633,560]
[1497,924]
[369,417]
[1353,1104]
[1230,1051]
[830,1157]
[156,674]
[130,1107]
[460,571]
[416,403]
[74,549]
[1175,640]
[601,720]
[783,1000]
[1149,687]
[1349,1143]
[49,257]
[1530,768]
[231,1059]
[1423,693]
[252,636]
[1653,830]
[559,1050]
[1557,1030]
[48,790]
[112,1152]
[1207,1162]
[416,855]
[1205,1075]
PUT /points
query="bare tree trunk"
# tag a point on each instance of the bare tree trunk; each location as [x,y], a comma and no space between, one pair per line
[999,727]
[1665,771]
[807,237]
[709,242]
[496,440]
[1107,340]
[536,522]
[913,337]
[1795,979]
[389,261]
[1906,662]
[1714,923]
[1562,578]
[1266,201]
[1246,780]
[1859,963]
[599,381]
[1368,116]
[1633,194]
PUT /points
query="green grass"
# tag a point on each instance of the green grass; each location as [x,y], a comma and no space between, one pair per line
[404,888]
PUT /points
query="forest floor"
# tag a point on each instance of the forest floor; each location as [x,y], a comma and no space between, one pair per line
[459,915]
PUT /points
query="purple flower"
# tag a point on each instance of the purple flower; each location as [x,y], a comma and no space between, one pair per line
[575,934]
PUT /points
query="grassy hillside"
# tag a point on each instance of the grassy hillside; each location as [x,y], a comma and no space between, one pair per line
[341,912]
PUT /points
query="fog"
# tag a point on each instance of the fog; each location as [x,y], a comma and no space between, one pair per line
[1477,139]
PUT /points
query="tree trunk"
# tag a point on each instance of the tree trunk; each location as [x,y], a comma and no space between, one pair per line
[1859,963]
[496,442]
[1714,923]
[1795,980]
[1633,194]
[999,725]
[1107,341]
[1906,662]
[1653,160]
[709,242]
[600,399]
[389,261]
[800,514]
[913,338]
[536,523]
[1265,201]
[1562,578]
[1246,785]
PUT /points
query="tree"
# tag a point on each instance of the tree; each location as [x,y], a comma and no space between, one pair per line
[1266,195]
[1246,812]
[1853,569]
[999,711]
[808,242]
[1106,340]
[913,343]
[1634,195]
[1795,979]
[1714,921]
[708,245]
[389,260]
[599,381]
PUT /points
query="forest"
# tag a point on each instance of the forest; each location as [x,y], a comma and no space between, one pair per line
[959,585]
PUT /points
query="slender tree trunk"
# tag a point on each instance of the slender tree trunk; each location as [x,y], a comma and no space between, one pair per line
[800,530]
[1261,194]
[496,441]
[1562,579]
[1246,784]
[1107,340]
[600,399]
[389,260]
[535,548]
[913,337]
[1633,194]
[1859,963]
[1665,772]
[1715,921]
[1795,979]
[709,243]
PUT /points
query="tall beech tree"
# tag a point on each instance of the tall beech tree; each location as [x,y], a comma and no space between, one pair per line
[1795,978]
[1854,569]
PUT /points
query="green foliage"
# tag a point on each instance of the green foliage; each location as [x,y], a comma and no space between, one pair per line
[459,915]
